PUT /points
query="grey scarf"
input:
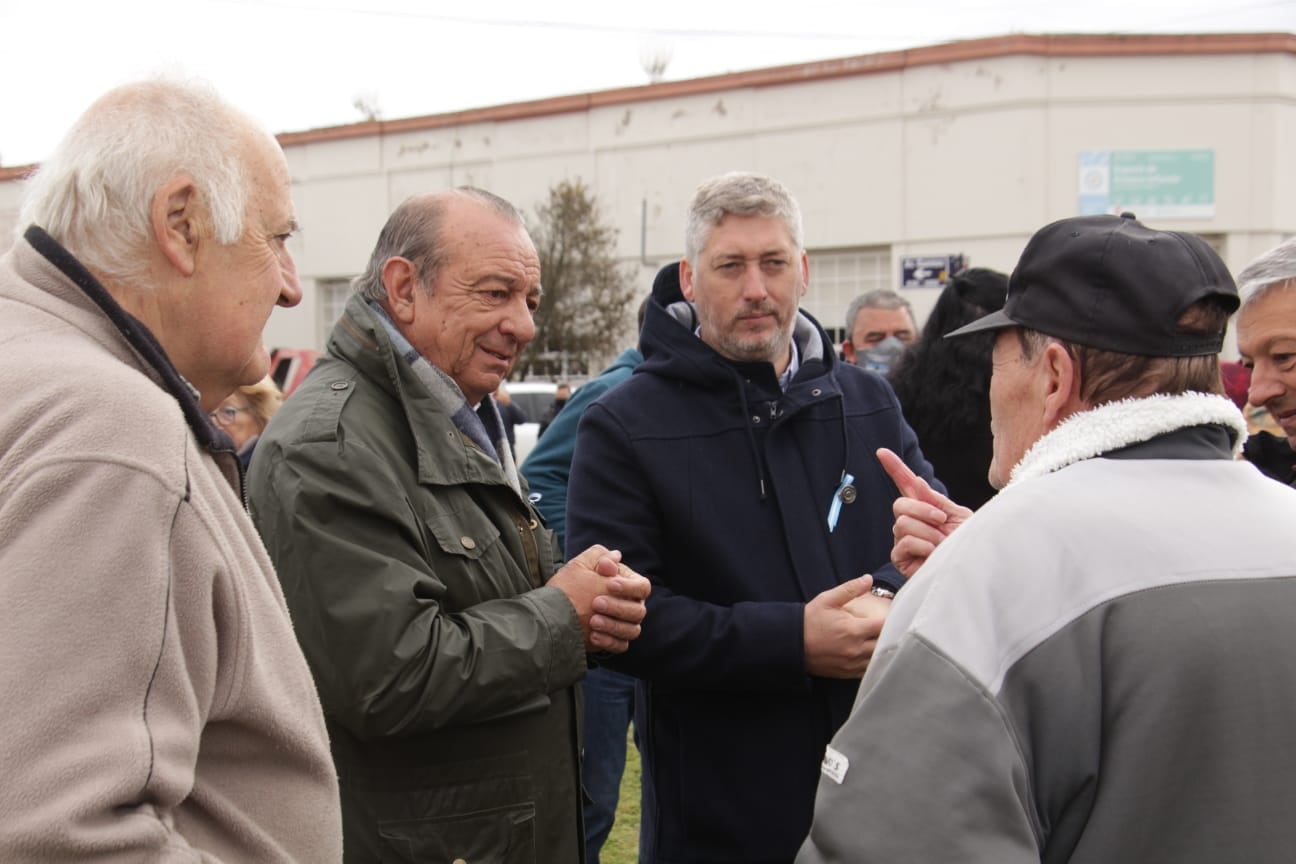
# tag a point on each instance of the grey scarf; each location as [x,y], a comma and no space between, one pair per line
[446,393]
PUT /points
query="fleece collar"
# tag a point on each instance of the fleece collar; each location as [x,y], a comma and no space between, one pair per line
[1120,424]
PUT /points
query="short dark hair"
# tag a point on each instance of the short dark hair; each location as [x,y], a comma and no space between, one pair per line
[1109,376]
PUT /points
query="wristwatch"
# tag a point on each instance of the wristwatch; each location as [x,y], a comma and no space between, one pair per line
[884,593]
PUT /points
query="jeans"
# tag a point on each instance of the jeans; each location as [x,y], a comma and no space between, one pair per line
[609,708]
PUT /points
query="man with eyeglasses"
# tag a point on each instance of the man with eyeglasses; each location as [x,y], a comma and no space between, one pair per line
[244,414]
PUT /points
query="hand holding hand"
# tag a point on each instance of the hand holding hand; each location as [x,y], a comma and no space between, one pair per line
[924,517]
[620,612]
[608,597]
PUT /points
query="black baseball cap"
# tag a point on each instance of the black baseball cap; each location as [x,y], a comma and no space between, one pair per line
[1112,283]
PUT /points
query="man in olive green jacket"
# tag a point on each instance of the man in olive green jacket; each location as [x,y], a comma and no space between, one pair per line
[446,648]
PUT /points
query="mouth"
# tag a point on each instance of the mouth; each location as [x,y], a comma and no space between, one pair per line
[502,357]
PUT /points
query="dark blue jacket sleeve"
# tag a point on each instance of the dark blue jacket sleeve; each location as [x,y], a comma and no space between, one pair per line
[686,642]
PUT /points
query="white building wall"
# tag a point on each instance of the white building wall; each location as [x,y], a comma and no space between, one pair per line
[969,156]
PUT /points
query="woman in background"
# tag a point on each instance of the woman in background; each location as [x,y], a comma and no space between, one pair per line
[244,414]
[944,385]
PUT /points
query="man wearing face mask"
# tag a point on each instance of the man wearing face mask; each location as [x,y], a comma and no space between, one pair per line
[879,326]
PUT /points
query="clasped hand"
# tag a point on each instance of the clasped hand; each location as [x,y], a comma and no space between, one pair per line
[608,597]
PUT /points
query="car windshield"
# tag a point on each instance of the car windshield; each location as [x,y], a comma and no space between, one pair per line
[533,405]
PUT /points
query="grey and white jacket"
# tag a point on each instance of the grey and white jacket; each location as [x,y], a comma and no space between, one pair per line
[1097,667]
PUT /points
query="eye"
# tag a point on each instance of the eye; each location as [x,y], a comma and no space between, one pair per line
[1283,360]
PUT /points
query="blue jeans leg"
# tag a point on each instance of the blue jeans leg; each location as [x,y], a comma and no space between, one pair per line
[609,708]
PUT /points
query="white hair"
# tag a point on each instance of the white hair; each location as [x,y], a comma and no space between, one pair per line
[94,194]
[1275,267]
[738,193]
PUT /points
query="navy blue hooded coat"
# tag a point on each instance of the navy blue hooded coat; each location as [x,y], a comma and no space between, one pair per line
[717,485]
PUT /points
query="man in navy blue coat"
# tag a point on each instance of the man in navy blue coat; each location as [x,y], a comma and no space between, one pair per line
[736,469]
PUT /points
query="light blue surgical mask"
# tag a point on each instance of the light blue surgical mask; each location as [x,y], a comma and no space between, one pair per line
[882,356]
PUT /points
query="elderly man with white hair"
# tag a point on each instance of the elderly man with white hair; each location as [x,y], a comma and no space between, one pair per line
[1266,328]
[157,706]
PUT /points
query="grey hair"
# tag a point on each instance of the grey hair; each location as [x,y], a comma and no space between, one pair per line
[881,298]
[1274,267]
[94,194]
[738,193]
[413,232]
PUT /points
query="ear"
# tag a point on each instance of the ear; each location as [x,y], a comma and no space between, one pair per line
[1060,378]
[848,350]
[177,222]
[686,279]
[400,278]
[805,273]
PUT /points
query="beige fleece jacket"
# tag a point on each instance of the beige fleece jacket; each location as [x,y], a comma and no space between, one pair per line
[156,704]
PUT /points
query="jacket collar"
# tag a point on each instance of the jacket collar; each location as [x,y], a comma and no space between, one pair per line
[445,455]
[1119,425]
[145,346]
[672,347]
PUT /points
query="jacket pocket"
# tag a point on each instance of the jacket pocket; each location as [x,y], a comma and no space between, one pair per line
[501,835]
[466,534]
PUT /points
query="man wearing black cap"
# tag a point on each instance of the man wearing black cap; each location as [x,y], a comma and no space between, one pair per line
[1095,667]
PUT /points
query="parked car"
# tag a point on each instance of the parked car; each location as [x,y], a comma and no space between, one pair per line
[288,367]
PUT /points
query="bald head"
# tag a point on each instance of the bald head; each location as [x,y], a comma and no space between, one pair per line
[94,193]
[414,231]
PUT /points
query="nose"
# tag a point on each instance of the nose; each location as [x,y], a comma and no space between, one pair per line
[1265,385]
[753,284]
[519,322]
[291,294]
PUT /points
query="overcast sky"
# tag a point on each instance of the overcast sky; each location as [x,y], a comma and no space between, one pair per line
[302,64]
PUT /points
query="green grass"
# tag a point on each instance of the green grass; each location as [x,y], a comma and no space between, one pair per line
[622,846]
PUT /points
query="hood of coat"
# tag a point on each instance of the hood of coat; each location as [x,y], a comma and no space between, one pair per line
[672,350]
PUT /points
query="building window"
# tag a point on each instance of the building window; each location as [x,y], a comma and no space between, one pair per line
[333,295]
[839,276]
